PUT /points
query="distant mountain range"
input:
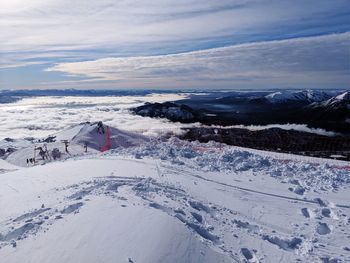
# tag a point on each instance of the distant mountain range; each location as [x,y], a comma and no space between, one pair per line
[337,102]
[76,92]
[8,99]
[301,96]
[318,109]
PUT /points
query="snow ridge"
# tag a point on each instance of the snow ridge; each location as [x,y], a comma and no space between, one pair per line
[216,157]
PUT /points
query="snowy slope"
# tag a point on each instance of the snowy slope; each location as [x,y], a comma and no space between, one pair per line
[117,138]
[175,201]
[299,96]
[111,226]
[6,167]
[335,101]
[336,104]
[77,136]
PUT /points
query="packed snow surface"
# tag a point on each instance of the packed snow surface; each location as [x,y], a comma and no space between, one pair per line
[158,200]
[117,138]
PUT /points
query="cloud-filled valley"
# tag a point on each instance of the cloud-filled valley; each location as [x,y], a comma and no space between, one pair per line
[42,116]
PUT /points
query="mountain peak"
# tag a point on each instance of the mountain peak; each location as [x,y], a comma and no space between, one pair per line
[343,96]
[297,96]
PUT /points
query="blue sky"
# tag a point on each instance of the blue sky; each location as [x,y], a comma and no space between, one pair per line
[168,44]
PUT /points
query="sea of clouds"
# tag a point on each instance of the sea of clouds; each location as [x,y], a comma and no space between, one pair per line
[42,116]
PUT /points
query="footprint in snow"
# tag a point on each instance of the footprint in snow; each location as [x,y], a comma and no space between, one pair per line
[323,229]
[285,244]
[329,260]
[198,217]
[18,232]
[320,202]
[72,208]
[326,212]
[247,253]
[305,212]
[246,225]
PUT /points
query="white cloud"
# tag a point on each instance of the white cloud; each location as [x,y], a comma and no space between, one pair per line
[289,126]
[41,116]
[317,60]
[43,25]
[101,32]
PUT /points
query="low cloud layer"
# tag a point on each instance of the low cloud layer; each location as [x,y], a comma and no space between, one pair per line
[314,61]
[41,116]
[290,126]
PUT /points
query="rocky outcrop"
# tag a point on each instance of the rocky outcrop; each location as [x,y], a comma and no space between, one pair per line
[169,110]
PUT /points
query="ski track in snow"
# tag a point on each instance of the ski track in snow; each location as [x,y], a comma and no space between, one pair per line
[238,218]
[213,224]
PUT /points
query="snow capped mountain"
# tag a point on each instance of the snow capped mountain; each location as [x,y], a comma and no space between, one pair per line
[339,102]
[306,96]
[78,137]
[344,96]
[108,136]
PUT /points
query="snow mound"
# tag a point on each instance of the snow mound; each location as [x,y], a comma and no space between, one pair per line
[84,218]
[5,166]
[82,139]
[192,203]
[216,157]
[109,139]
[68,134]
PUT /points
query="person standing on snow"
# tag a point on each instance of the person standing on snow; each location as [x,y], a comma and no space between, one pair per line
[100,128]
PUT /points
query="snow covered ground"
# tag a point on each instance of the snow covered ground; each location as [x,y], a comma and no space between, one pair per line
[157,200]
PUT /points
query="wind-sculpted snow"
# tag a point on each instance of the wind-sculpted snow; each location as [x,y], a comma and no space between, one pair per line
[115,206]
[194,202]
[154,194]
[221,158]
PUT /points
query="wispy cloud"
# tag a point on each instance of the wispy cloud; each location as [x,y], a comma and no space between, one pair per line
[311,60]
[58,31]
[46,25]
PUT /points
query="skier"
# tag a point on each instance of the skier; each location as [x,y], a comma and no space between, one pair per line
[41,152]
[100,128]
[66,143]
[56,154]
[86,146]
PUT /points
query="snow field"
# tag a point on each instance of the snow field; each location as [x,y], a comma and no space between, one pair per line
[172,201]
